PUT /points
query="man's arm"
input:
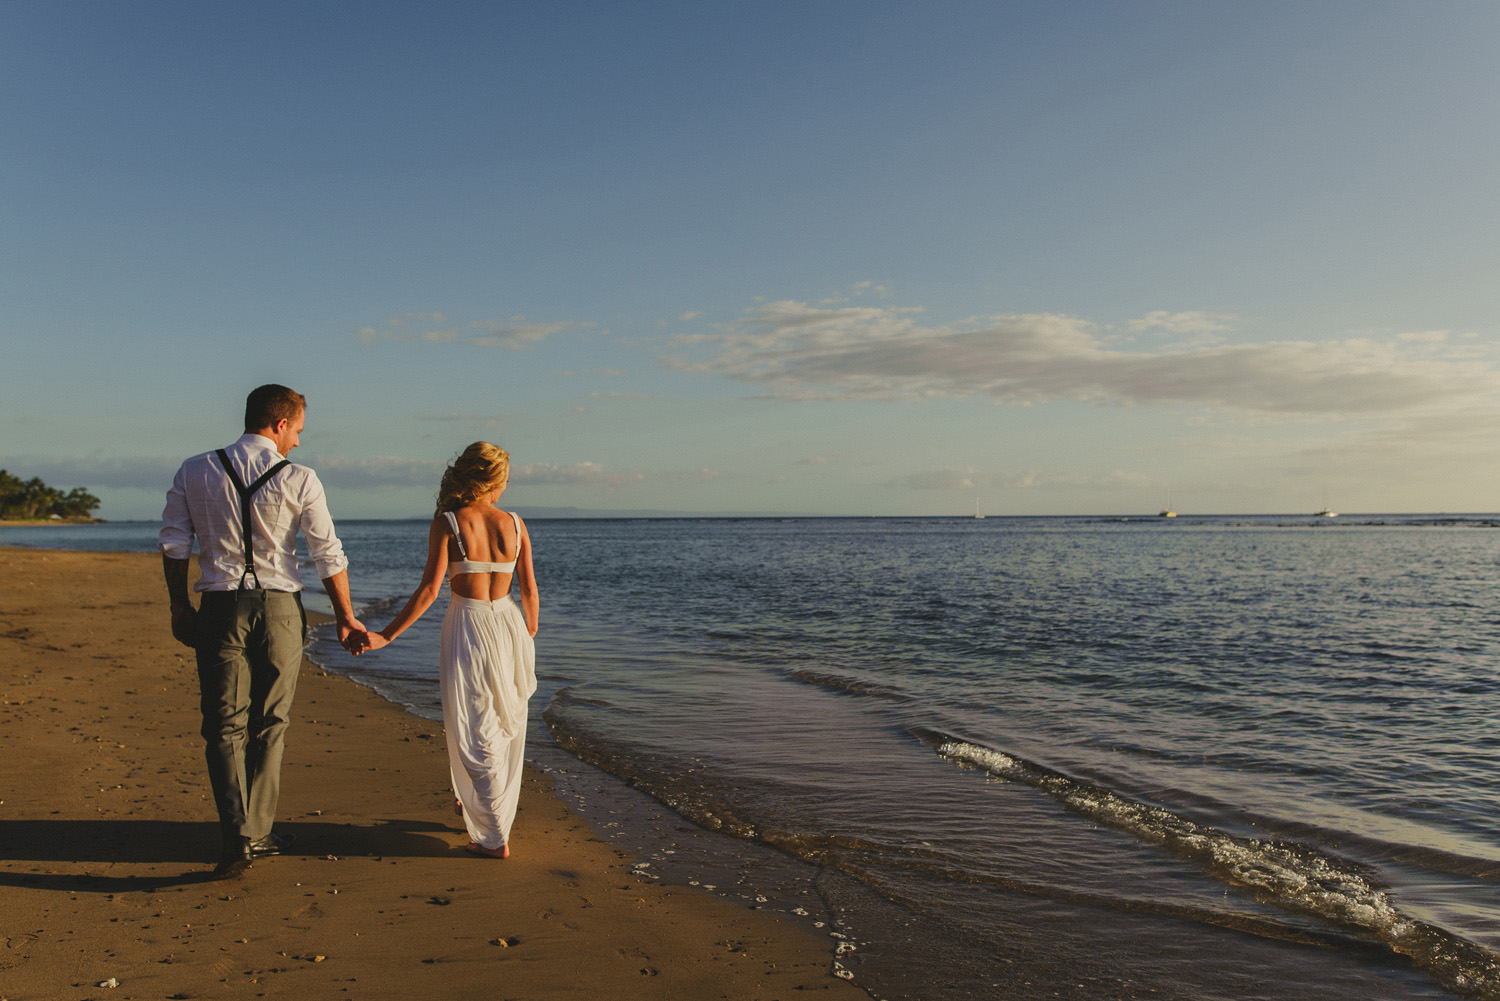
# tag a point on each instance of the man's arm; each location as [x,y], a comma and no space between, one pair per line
[183,613]
[176,545]
[337,587]
[327,554]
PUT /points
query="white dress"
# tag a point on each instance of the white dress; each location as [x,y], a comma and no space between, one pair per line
[487,671]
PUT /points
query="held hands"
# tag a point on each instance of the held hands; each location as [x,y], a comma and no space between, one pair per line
[349,628]
[364,640]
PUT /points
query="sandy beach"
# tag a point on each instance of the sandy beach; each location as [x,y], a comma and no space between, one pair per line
[108,836]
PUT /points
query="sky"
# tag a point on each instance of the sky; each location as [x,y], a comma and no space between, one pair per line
[841,258]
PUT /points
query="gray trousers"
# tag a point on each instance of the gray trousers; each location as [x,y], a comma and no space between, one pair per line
[249,646]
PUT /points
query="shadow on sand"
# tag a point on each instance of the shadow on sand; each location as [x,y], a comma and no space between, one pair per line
[86,847]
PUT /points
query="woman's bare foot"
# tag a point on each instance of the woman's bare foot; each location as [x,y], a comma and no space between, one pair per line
[475,848]
[458,808]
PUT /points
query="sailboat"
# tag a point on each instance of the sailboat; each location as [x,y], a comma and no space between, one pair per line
[1168,512]
[1327,511]
[977,515]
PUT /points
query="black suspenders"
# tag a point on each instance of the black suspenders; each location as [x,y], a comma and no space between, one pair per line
[245,494]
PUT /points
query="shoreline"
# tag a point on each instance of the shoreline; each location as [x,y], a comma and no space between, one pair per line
[109,835]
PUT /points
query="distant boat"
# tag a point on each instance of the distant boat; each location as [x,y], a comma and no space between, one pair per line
[1168,512]
[977,515]
[1327,511]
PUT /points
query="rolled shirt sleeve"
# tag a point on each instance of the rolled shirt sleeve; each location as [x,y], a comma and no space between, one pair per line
[323,545]
[175,540]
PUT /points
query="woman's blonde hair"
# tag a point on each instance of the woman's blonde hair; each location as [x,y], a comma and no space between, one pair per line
[479,469]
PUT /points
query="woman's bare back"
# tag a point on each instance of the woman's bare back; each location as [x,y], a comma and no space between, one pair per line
[490,536]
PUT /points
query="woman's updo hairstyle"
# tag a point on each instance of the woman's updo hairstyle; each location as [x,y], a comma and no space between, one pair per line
[478,470]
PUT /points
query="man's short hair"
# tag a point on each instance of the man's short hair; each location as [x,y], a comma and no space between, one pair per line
[266,405]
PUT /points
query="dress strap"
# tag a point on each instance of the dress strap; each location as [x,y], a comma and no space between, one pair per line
[457,536]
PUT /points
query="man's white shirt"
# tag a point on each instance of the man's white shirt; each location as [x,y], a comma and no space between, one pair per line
[204,503]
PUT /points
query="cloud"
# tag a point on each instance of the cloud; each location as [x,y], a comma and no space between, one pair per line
[1191,322]
[1028,479]
[376,473]
[939,479]
[801,351]
[576,473]
[94,471]
[512,334]
[690,316]
[483,420]
[1032,479]
[516,333]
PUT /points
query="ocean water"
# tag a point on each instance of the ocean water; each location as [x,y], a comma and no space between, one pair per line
[1221,757]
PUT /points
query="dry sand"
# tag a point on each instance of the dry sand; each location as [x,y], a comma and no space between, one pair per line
[107,838]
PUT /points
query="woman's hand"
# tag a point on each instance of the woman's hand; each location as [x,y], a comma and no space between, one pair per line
[361,641]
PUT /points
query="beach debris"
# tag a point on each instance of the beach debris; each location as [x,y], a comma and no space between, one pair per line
[440,901]
[111,982]
[505,943]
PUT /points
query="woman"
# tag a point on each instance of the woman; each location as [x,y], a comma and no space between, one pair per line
[487,664]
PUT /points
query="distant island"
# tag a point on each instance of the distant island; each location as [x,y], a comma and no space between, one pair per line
[33,500]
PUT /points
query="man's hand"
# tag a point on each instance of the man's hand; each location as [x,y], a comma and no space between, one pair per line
[184,619]
[360,642]
[183,613]
[350,627]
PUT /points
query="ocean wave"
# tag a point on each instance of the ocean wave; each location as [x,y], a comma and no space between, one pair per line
[846,683]
[1292,876]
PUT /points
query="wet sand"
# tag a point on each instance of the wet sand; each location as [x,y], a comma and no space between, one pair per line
[108,837]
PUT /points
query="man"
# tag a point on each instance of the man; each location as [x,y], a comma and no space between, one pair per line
[245,504]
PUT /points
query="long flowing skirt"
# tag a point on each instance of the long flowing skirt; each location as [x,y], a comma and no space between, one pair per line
[487,671]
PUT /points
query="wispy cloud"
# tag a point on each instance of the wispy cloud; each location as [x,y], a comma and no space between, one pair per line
[965,478]
[606,373]
[91,471]
[482,420]
[575,473]
[434,328]
[938,479]
[375,473]
[1190,322]
[1035,479]
[801,351]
